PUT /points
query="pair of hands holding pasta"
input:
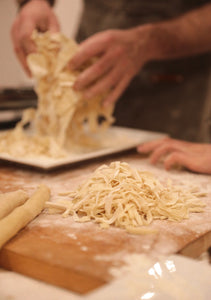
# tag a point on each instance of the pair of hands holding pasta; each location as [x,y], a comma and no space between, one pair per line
[118,52]
[121,54]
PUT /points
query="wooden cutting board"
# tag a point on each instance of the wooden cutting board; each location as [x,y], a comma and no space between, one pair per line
[79,257]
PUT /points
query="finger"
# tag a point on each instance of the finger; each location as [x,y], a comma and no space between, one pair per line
[150,146]
[14,31]
[54,25]
[22,58]
[195,163]
[180,158]
[104,84]
[16,44]
[164,149]
[98,69]
[93,46]
[23,44]
[118,91]
[23,38]
[28,45]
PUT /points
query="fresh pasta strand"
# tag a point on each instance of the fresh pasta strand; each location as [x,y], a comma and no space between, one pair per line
[64,120]
[125,197]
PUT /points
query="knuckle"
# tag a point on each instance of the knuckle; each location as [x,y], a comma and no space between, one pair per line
[173,156]
[167,139]
[109,36]
[166,147]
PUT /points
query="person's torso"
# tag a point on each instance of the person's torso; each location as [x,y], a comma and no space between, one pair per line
[100,15]
[166,96]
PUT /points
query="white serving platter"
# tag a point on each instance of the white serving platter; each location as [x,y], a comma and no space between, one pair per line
[115,140]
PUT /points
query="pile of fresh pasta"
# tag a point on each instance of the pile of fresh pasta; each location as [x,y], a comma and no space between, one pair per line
[63,118]
[120,195]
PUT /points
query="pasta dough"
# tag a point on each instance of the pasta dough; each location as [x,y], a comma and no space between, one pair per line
[64,120]
[9,201]
[125,197]
[23,214]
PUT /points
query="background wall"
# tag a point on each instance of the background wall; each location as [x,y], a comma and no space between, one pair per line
[11,74]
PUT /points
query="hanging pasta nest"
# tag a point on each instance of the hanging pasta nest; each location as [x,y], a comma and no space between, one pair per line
[63,120]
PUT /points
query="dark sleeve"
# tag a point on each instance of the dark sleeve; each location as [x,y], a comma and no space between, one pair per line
[23,2]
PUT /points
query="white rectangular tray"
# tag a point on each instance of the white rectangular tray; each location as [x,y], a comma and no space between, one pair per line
[118,139]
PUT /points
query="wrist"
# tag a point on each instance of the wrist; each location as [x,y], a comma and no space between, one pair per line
[149,37]
[166,40]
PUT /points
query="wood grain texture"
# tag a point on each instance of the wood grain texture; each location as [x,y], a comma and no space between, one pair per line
[78,256]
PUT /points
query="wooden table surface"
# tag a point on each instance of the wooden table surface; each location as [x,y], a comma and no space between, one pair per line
[78,256]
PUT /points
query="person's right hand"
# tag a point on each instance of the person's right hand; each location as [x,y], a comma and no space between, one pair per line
[36,14]
[116,56]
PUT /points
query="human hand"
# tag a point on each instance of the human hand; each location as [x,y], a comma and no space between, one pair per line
[120,53]
[36,14]
[194,156]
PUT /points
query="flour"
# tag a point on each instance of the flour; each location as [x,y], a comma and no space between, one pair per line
[72,236]
[115,256]
[171,238]
[154,277]
[84,248]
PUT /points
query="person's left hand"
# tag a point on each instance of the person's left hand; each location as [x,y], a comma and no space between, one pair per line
[194,156]
[119,60]
[34,15]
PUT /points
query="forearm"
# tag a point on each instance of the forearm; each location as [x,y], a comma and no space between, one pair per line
[186,35]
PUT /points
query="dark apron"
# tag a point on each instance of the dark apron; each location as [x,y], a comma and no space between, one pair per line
[166,96]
